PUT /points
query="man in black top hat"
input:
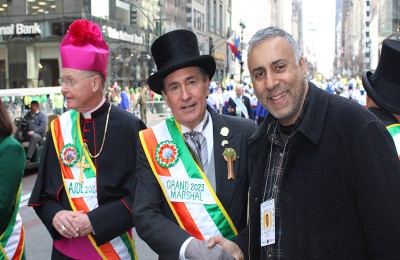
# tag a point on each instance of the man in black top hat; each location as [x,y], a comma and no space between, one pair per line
[383,89]
[193,174]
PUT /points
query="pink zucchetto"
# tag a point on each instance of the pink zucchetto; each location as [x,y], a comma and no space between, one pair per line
[84,48]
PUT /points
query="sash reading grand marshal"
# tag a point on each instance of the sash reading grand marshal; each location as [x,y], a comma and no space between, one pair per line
[190,196]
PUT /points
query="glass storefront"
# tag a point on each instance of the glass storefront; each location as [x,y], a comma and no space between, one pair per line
[31,32]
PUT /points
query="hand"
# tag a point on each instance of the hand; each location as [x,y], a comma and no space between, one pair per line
[231,110]
[228,245]
[65,224]
[198,250]
[31,132]
[83,221]
[72,224]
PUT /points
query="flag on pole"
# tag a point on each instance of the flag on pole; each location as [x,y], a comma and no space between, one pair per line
[233,43]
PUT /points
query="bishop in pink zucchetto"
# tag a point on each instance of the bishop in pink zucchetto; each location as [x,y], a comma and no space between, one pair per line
[84,48]
[86,181]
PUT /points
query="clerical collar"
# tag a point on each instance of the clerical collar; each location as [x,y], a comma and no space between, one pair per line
[97,111]
[199,127]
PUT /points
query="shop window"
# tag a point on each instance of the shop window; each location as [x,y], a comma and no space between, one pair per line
[17,66]
[57,29]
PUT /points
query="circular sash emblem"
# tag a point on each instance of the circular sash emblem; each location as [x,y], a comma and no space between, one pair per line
[167,154]
[69,155]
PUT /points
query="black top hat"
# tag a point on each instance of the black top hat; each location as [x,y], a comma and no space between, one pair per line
[176,50]
[383,86]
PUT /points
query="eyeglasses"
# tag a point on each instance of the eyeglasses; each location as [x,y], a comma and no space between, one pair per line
[70,82]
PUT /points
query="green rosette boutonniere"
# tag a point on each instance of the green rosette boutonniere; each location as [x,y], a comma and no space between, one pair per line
[230,155]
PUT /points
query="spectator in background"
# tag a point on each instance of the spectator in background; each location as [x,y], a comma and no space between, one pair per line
[240,104]
[142,102]
[112,94]
[12,165]
[220,100]
[37,125]
[362,98]
[125,102]
[58,104]
[383,89]
[212,98]
[253,101]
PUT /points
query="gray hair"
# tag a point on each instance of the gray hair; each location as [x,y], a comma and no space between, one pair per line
[271,32]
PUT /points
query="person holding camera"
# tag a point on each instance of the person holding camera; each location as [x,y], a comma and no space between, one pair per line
[35,130]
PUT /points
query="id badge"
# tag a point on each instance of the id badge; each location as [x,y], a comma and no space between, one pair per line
[267,209]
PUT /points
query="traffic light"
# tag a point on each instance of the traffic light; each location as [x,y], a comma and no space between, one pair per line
[158,28]
[133,15]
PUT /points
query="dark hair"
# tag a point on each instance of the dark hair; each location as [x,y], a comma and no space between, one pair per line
[35,103]
[6,126]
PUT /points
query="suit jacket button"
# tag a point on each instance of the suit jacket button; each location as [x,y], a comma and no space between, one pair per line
[255,200]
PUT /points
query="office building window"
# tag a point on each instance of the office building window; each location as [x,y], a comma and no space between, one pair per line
[208,15]
[215,16]
[43,7]
[220,19]
[198,17]
[99,9]
[122,12]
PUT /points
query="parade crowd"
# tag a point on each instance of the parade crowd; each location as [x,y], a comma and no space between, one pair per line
[279,167]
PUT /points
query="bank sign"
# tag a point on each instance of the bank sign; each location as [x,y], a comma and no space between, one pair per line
[20,29]
[121,35]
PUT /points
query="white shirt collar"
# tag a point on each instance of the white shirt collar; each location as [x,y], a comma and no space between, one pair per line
[88,115]
[199,127]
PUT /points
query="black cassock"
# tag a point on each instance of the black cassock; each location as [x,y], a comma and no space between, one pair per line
[116,174]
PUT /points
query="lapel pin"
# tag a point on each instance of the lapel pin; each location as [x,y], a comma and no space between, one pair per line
[224,131]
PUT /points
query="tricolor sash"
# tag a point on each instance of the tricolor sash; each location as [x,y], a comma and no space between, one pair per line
[75,160]
[12,241]
[394,131]
[240,107]
[190,196]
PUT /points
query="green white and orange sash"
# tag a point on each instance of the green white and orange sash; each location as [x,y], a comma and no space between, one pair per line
[68,143]
[190,196]
[12,241]
[394,131]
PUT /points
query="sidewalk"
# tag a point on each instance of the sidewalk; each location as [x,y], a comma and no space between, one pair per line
[154,119]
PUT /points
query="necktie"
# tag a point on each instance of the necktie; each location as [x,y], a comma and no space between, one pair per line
[197,144]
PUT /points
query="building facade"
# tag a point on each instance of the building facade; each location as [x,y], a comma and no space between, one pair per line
[31,32]
[362,25]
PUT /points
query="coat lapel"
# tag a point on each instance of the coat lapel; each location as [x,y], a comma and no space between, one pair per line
[225,187]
